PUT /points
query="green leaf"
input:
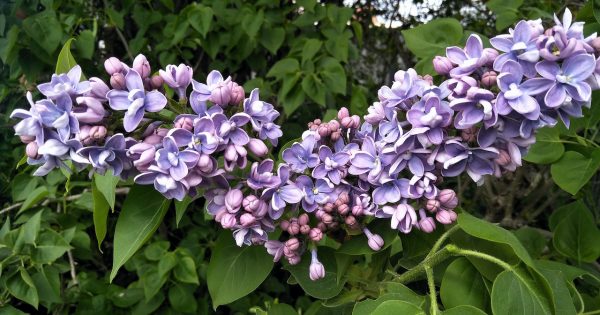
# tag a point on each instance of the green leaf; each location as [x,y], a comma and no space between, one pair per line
[358,244]
[152,282]
[100,214]
[325,288]
[45,29]
[272,38]
[200,18]
[507,12]
[181,207]
[166,263]
[29,231]
[431,39]
[283,67]
[397,307]
[34,198]
[488,231]
[281,309]
[22,186]
[235,271]
[464,310]
[314,88]
[182,299]
[156,250]
[463,285]
[252,22]
[85,44]
[293,100]
[562,297]
[185,271]
[22,287]
[596,9]
[310,49]
[65,60]
[50,247]
[107,185]
[333,75]
[8,44]
[574,170]
[338,48]
[115,18]
[395,291]
[142,213]
[47,283]
[532,240]
[514,294]
[576,236]
[548,147]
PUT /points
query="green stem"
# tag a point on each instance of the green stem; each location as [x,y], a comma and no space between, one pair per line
[432,291]
[591,313]
[467,252]
[414,273]
[441,240]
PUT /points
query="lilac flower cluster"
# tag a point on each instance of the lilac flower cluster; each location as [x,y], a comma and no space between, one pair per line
[342,174]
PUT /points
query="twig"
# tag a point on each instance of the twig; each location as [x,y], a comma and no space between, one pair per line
[72,266]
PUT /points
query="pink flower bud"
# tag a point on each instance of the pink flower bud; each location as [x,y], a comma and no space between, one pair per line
[357,210]
[26,139]
[328,207]
[31,150]
[442,65]
[427,225]
[292,244]
[284,225]
[141,66]
[303,219]
[316,269]
[247,219]
[343,209]
[488,79]
[98,132]
[355,121]
[156,82]
[84,135]
[374,240]
[490,54]
[205,163]
[321,226]
[350,221]
[315,234]
[304,229]
[89,111]
[596,44]
[448,199]
[185,122]
[228,221]
[113,65]
[162,132]
[445,216]
[294,260]
[237,94]
[258,147]
[250,203]
[230,152]
[503,158]
[342,113]
[347,122]
[233,200]
[333,125]
[294,228]
[117,81]
[326,218]
[262,210]
[432,205]
[323,130]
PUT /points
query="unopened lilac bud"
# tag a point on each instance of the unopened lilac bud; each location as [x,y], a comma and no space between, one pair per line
[326,218]
[185,122]
[595,43]
[247,219]
[445,216]
[117,81]
[374,240]
[228,221]
[448,199]
[343,113]
[304,229]
[442,65]
[316,269]
[347,122]
[284,225]
[293,260]
[258,147]
[503,158]
[328,207]
[315,234]
[84,135]
[98,132]
[488,79]
[469,134]
[205,163]
[350,221]
[89,111]
[292,244]
[99,88]
[141,66]
[237,94]
[333,225]
[323,130]
[221,95]
[490,54]
[357,210]
[262,210]
[230,153]
[343,209]
[233,200]
[250,203]
[355,121]
[333,125]
[162,132]
[31,150]
[27,139]
[294,228]
[113,65]
[427,225]
[321,226]
[156,82]
[432,205]
[303,219]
